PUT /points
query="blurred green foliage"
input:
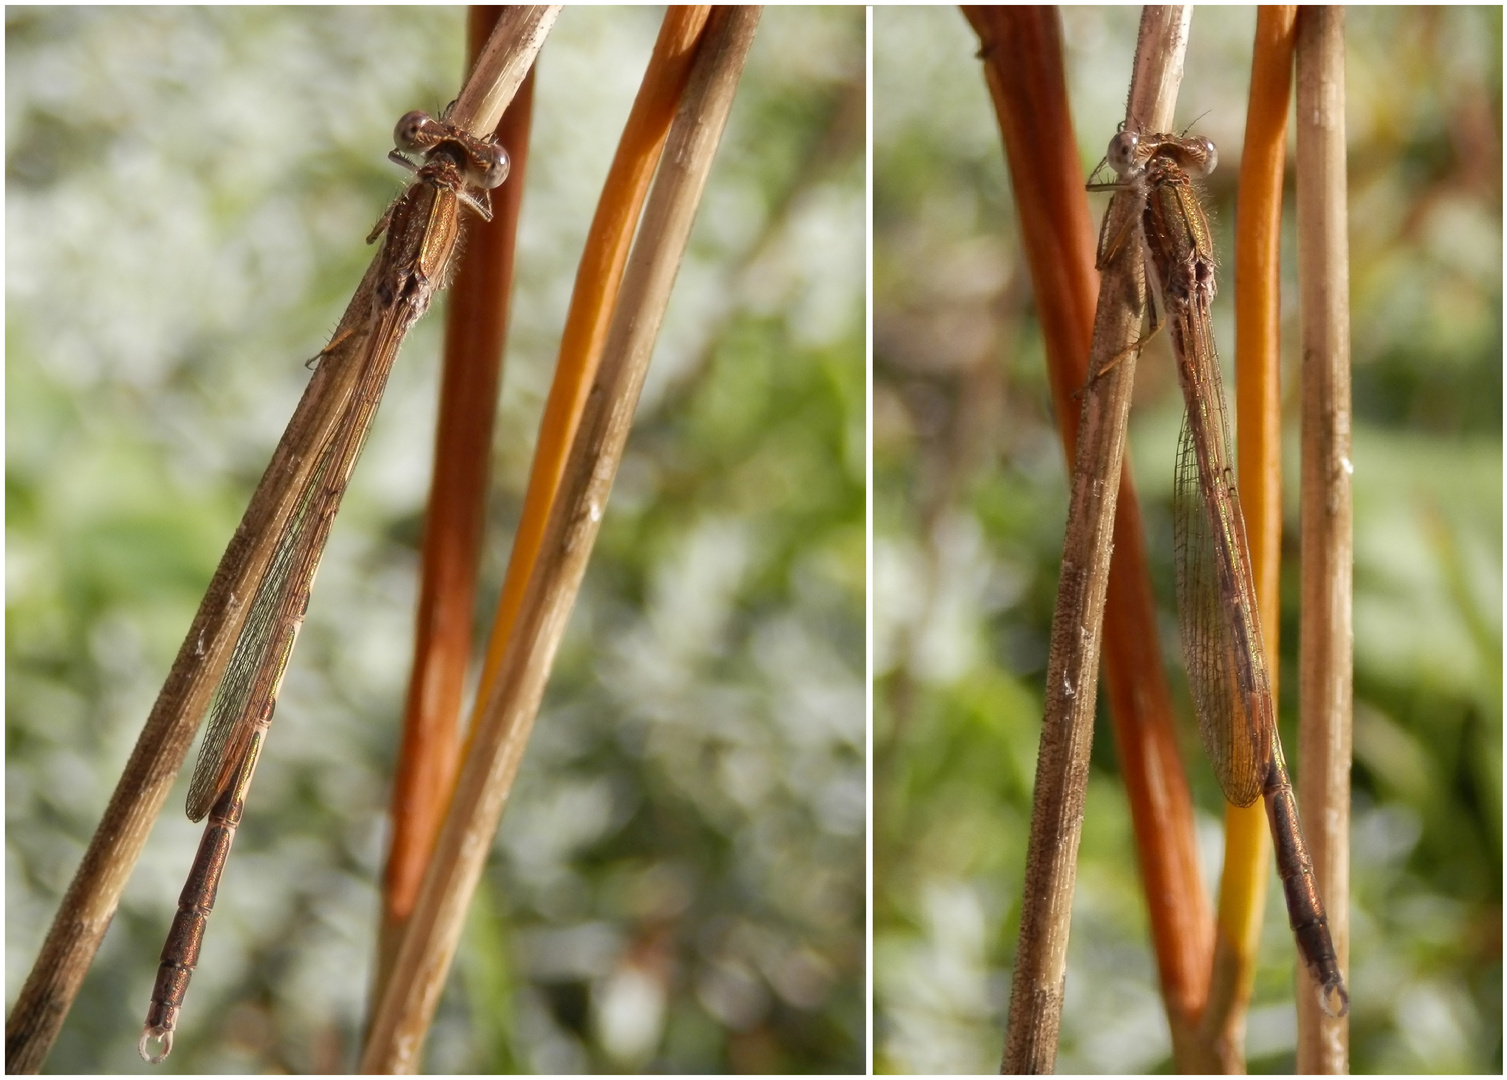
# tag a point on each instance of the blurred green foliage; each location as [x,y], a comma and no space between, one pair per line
[678,883]
[970,498]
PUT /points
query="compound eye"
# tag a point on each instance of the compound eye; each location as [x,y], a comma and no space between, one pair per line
[412,132]
[494,164]
[1210,154]
[1122,151]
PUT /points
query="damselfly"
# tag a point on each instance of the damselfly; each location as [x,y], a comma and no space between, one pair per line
[421,230]
[1221,628]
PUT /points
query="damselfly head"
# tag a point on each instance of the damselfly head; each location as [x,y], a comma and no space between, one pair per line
[482,161]
[1130,152]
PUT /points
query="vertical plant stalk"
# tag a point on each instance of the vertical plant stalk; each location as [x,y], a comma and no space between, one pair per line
[1039,976]
[1022,53]
[497,74]
[1325,628]
[475,331]
[1258,429]
[94,893]
[591,305]
[403,1016]
[428,784]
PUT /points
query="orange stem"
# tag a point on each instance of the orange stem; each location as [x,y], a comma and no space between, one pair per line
[1258,325]
[475,330]
[591,305]
[1258,428]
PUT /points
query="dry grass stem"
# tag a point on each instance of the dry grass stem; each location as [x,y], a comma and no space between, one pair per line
[592,303]
[499,71]
[94,893]
[1073,663]
[476,322]
[1022,53]
[1325,628]
[396,1039]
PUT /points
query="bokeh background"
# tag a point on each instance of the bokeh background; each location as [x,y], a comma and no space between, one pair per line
[971,496]
[678,883]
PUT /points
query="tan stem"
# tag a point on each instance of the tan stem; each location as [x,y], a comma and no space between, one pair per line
[1325,627]
[396,1040]
[1036,989]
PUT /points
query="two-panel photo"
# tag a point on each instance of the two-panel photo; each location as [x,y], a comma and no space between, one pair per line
[894,540]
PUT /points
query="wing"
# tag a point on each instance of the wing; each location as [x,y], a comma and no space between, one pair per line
[246,694]
[1234,724]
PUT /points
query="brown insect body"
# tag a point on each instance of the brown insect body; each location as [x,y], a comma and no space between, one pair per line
[422,230]
[1222,638]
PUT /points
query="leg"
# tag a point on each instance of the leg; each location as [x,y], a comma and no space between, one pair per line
[1139,343]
